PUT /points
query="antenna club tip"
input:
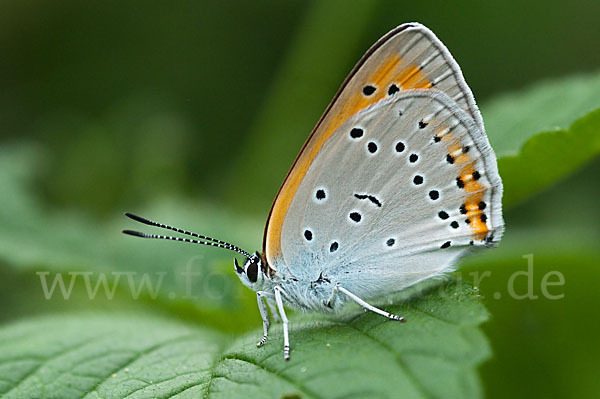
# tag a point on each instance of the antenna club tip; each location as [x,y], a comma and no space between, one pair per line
[133,233]
[139,218]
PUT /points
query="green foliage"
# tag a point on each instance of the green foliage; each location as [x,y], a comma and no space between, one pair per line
[512,118]
[136,355]
[549,157]
[545,132]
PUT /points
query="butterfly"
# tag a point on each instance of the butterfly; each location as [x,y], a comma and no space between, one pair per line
[396,182]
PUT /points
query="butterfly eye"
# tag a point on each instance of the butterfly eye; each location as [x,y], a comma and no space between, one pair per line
[252,272]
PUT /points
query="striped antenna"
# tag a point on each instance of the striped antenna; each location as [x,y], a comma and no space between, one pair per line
[212,241]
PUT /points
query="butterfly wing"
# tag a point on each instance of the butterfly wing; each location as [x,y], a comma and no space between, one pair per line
[396,196]
[409,61]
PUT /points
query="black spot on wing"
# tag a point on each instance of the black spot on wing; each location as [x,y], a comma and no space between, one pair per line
[308,235]
[320,194]
[400,146]
[355,216]
[372,147]
[371,198]
[334,246]
[393,89]
[369,90]
[356,133]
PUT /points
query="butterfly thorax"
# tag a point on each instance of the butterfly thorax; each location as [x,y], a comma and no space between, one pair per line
[298,293]
[310,295]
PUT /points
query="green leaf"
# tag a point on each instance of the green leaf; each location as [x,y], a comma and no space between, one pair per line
[433,354]
[549,157]
[513,118]
[544,133]
[103,355]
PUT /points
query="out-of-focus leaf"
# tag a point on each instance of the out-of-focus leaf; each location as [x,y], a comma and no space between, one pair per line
[536,341]
[53,247]
[513,118]
[542,134]
[322,51]
[548,157]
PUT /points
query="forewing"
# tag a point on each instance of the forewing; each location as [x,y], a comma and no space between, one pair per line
[409,57]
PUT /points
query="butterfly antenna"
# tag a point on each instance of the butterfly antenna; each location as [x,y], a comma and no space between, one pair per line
[212,241]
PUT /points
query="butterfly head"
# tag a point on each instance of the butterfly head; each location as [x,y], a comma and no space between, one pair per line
[253,272]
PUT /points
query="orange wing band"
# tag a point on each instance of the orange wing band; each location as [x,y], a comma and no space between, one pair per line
[473,188]
[381,80]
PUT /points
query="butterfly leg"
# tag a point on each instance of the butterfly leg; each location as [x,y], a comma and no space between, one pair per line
[364,304]
[273,309]
[334,293]
[286,338]
[260,297]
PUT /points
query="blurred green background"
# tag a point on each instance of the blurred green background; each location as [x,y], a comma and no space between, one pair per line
[192,112]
